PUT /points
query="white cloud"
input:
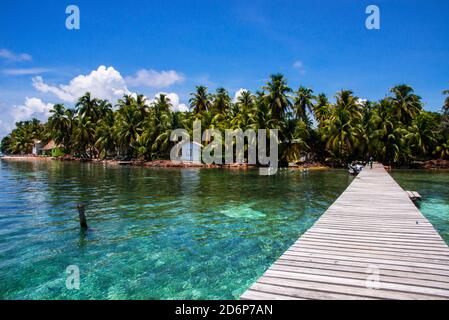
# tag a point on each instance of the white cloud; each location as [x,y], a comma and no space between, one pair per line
[103,83]
[238,93]
[174,99]
[33,107]
[154,79]
[361,101]
[28,71]
[298,64]
[14,57]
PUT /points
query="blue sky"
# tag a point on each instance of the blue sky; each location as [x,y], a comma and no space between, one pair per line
[235,44]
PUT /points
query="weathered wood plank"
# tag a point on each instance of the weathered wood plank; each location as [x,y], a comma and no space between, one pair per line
[372,254]
[372,234]
[404,279]
[369,246]
[352,268]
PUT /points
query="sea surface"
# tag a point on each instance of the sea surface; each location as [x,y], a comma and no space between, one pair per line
[433,186]
[162,233]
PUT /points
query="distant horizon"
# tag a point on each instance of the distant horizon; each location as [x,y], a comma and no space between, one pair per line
[173,47]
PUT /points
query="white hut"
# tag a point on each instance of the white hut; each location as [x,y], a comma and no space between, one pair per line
[38,145]
[191,152]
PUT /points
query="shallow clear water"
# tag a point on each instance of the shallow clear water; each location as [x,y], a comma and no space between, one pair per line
[154,233]
[433,186]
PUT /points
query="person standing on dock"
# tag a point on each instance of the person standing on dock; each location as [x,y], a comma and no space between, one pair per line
[370,162]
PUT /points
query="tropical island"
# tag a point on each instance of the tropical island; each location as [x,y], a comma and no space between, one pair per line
[221,150]
[395,130]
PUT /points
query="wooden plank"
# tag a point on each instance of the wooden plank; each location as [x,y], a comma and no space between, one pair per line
[372,232]
[355,284]
[371,253]
[367,233]
[400,252]
[296,293]
[407,274]
[363,264]
[342,289]
[416,195]
[409,194]
[405,279]
[435,244]
[260,295]
[435,268]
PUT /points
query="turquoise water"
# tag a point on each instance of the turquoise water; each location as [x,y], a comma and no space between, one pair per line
[433,186]
[154,233]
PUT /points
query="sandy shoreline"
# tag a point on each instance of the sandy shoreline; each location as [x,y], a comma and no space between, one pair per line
[430,164]
[26,158]
[153,164]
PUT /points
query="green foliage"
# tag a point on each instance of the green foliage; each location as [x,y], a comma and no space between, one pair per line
[21,140]
[57,152]
[5,145]
[395,129]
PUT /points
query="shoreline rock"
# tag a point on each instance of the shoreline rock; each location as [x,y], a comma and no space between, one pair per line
[430,164]
[158,163]
[435,164]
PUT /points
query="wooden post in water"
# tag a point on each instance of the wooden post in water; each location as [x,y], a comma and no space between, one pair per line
[82,215]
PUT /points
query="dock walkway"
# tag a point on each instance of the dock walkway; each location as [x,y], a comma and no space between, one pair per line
[371,243]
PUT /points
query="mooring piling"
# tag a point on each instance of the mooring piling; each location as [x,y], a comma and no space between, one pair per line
[82,215]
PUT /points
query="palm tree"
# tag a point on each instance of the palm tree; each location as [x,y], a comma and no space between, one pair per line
[162,104]
[442,150]
[276,96]
[200,101]
[295,144]
[60,125]
[405,103]
[221,103]
[104,107]
[246,115]
[386,136]
[128,126]
[5,147]
[245,101]
[445,119]
[366,148]
[105,135]
[446,103]
[262,111]
[303,103]
[84,137]
[393,130]
[88,107]
[22,138]
[421,136]
[343,130]
[140,102]
[321,109]
[155,138]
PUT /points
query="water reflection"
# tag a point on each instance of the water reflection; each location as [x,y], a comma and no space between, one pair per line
[153,233]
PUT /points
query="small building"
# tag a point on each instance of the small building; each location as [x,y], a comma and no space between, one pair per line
[50,148]
[38,146]
[191,152]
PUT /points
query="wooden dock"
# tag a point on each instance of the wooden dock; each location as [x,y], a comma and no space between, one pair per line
[372,243]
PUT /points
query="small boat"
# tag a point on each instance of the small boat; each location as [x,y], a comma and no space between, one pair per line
[355,169]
